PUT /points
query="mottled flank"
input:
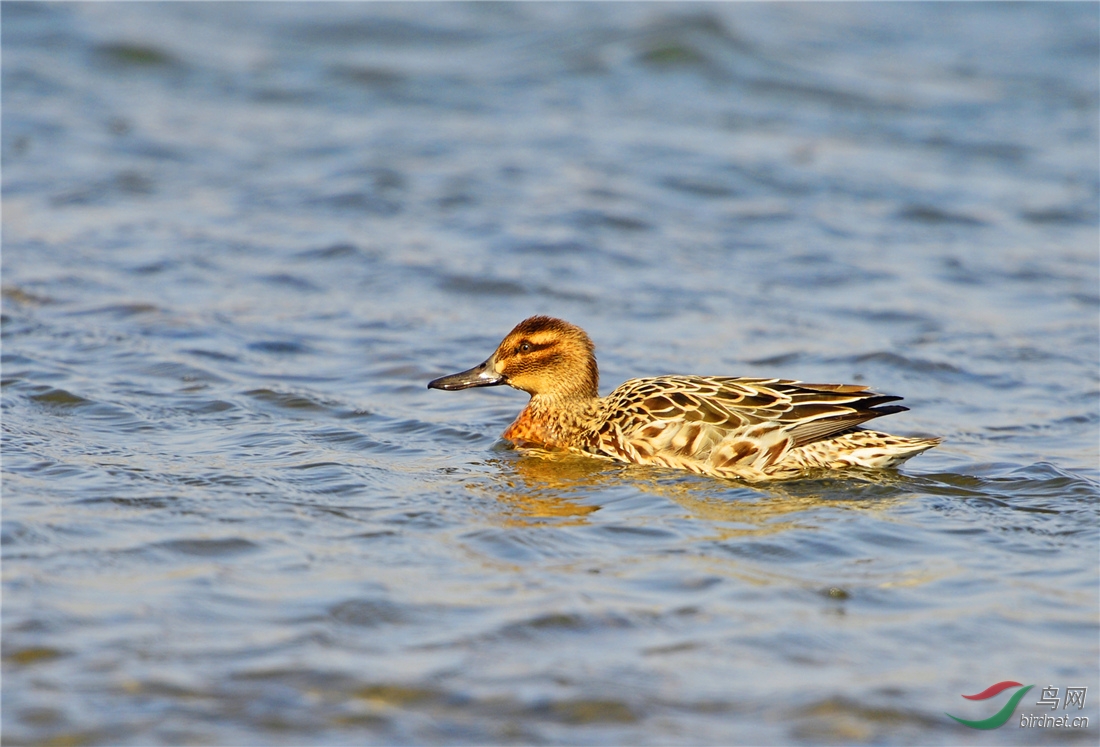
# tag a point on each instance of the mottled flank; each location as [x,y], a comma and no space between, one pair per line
[752,429]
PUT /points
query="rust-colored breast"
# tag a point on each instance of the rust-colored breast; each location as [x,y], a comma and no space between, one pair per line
[528,429]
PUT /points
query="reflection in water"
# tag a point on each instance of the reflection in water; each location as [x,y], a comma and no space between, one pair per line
[541,485]
[777,508]
[537,484]
[799,533]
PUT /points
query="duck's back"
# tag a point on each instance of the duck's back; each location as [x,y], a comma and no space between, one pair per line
[750,428]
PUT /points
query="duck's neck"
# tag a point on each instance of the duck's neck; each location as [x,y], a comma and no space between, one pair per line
[554,420]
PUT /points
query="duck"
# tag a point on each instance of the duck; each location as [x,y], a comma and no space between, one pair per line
[750,429]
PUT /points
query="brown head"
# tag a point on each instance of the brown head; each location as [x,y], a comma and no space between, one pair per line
[542,356]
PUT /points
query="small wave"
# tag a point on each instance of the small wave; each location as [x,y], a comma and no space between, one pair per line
[894,360]
[280,347]
[471,285]
[210,548]
[939,216]
[60,398]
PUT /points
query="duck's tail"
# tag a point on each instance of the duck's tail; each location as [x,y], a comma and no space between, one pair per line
[859,448]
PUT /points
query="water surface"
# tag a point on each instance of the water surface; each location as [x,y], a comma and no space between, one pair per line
[238,240]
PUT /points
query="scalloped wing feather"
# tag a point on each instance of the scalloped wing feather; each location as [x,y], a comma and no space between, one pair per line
[727,425]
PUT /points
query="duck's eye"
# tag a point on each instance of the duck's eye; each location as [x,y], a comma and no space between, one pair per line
[525,347]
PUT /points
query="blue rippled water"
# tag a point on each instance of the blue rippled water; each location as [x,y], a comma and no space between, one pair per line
[239,239]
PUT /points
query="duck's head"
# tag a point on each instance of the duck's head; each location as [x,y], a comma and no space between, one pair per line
[542,356]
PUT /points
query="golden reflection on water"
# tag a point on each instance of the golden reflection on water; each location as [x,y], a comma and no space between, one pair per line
[543,485]
[539,485]
[551,490]
[771,510]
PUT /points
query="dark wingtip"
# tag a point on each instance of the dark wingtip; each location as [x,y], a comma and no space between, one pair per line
[889,410]
[877,406]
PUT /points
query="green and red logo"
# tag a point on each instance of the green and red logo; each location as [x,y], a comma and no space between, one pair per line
[999,718]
